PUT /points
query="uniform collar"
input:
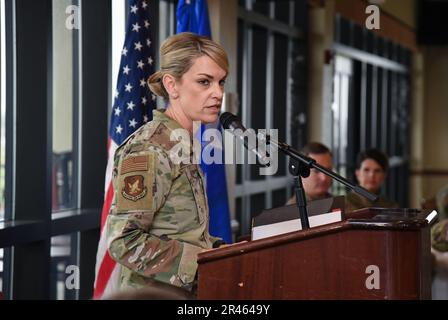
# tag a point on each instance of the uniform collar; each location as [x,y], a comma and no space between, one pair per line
[363,199]
[159,116]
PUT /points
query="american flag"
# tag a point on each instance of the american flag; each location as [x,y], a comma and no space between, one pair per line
[132,107]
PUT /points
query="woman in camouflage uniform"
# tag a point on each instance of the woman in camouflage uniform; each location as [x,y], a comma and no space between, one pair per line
[158,222]
[439,232]
[371,171]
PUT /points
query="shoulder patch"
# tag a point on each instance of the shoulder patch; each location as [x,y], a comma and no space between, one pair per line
[134,188]
[135,182]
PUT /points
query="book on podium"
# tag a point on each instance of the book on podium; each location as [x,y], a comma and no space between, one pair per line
[286,219]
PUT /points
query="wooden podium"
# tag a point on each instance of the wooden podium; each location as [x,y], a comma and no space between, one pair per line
[373,254]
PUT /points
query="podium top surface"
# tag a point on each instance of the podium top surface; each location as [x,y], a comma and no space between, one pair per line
[387,218]
[362,219]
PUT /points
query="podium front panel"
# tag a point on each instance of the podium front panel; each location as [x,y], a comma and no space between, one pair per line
[332,262]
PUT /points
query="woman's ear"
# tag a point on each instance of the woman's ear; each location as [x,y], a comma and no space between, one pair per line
[169,82]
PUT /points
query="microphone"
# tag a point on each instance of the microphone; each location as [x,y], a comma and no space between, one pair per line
[231,122]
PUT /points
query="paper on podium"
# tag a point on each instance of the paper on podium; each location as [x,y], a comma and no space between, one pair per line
[286,219]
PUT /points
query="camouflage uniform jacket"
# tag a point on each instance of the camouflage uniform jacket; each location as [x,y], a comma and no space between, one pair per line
[439,235]
[158,221]
[354,201]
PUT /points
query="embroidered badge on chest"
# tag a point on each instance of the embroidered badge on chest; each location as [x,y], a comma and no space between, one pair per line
[134,188]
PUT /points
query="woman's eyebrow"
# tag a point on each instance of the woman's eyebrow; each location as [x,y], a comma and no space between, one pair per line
[205,74]
[210,76]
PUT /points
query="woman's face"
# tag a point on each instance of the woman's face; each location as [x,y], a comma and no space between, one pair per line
[201,90]
[371,175]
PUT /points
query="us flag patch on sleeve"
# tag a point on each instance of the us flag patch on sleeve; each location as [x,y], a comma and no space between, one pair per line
[133,164]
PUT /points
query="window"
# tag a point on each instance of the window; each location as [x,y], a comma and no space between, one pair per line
[61,121]
[64,140]
[2,131]
[272,91]
[64,109]
[118,35]
[341,90]
[64,273]
[2,108]
[371,104]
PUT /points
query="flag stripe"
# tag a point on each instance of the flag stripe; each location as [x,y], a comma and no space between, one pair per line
[107,205]
[106,269]
[112,147]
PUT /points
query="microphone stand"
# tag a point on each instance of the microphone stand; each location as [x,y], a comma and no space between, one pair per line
[298,170]
[300,166]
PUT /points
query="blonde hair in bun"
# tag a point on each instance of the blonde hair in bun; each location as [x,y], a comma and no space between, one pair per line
[177,55]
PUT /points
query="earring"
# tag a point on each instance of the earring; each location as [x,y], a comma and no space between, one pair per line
[175,96]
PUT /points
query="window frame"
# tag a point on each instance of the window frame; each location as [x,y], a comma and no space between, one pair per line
[249,18]
[27,233]
[376,56]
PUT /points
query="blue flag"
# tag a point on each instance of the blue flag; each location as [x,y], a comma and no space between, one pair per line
[192,16]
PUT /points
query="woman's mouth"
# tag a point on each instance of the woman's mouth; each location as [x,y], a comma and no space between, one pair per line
[215,108]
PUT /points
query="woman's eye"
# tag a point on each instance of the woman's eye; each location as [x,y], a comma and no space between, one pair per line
[222,83]
[204,82]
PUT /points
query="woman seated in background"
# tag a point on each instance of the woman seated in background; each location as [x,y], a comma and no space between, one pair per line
[371,171]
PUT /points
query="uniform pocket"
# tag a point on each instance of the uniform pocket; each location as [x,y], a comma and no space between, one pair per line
[197,187]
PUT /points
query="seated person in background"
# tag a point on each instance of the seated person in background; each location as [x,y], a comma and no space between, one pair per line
[439,236]
[317,184]
[439,247]
[442,202]
[371,170]
[439,231]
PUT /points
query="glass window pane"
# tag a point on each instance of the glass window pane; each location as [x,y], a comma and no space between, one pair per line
[358,37]
[259,73]
[301,14]
[241,42]
[344,31]
[280,93]
[63,131]
[64,274]
[279,198]
[5,272]
[257,204]
[2,108]
[118,35]
[369,41]
[239,213]
[381,46]
[298,91]
[261,6]
[1,275]
[282,10]
[379,116]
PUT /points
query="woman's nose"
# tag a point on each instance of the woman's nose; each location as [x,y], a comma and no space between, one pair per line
[218,91]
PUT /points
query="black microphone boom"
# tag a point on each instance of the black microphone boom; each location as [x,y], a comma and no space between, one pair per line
[230,121]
